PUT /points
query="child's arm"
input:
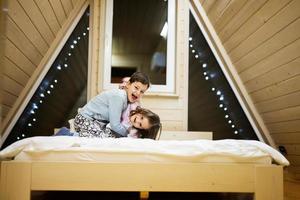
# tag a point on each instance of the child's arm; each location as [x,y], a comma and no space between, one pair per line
[115,111]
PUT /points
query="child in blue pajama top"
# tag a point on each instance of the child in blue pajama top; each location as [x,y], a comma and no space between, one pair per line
[107,107]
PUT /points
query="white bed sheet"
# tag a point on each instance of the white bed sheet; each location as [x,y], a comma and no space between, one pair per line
[66,148]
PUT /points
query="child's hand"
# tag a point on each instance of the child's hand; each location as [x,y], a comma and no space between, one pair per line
[124,82]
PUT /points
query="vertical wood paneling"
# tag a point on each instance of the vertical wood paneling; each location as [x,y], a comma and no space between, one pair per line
[58,10]
[49,14]
[38,20]
[94,56]
[18,15]
[13,33]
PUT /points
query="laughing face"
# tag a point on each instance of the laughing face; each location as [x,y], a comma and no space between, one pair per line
[135,91]
[139,121]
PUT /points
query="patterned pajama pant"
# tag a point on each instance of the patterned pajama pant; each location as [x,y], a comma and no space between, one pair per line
[91,128]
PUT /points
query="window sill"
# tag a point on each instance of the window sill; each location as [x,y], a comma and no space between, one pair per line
[161,94]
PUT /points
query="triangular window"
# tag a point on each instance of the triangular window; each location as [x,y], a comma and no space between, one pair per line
[60,92]
[213,105]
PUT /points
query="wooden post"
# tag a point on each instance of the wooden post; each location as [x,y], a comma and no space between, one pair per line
[15,181]
[268,183]
[144,195]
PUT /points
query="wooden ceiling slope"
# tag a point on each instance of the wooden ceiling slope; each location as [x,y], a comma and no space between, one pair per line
[262,39]
[2,25]
[31,27]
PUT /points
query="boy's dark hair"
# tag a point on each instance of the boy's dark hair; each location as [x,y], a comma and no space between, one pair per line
[155,126]
[140,77]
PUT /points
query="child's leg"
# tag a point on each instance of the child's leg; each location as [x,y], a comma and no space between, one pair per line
[91,128]
[64,132]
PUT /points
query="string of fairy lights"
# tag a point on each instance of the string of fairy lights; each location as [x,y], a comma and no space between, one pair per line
[208,75]
[46,86]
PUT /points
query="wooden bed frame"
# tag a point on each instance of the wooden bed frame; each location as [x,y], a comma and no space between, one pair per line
[19,178]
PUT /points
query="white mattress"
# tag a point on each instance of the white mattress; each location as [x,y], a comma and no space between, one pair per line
[66,148]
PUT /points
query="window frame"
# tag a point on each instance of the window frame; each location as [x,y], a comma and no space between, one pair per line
[169,87]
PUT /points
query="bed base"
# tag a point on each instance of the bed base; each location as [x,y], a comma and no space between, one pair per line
[19,178]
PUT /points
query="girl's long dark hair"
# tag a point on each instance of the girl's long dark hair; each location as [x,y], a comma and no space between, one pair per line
[155,126]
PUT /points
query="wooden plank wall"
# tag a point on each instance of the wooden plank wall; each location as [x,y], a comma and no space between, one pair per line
[31,27]
[2,25]
[262,38]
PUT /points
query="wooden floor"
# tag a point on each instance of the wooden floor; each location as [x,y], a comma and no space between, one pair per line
[135,196]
